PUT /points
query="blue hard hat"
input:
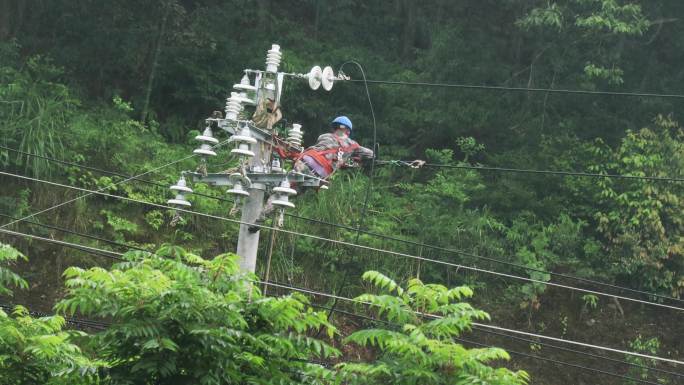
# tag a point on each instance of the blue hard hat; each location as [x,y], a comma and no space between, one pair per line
[343,120]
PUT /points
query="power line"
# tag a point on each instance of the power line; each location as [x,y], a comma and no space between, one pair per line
[74,321]
[490,259]
[520,339]
[106,172]
[520,89]
[364,247]
[533,171]
[585,368]
[114,184]
[103,253]
[579,352]
[312,292]
[72,232]
[420,244]
[571,342]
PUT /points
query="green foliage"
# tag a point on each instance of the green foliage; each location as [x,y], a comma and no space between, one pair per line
[418,345]
[38,351]
[35,109]
[8,256]
[639,220]
[177,318]
[651,347]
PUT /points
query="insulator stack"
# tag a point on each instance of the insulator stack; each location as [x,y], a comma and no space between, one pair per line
[233,106]
[246,91]
[181,189]
[273,58]
[244,139]
[294,136]
[282,197]
[275,164]
[207,140]
[238,188]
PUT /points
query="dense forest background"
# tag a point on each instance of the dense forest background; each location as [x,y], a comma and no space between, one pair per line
[125,86]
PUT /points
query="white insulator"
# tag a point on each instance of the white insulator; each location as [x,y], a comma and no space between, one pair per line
[242,98]
[244,136]
[239,182]
[207,136]
[181,190]
[285,189]
[233,107]
[314,76]
[181,186]
[179,201]
[204,150]
[273,58]
[327,78]
[283,193]
[275,165]
[294,136]
[243,149]
[238,190]
[245,85]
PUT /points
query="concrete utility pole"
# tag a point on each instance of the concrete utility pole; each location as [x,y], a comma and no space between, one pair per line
[250,114]
[248,242]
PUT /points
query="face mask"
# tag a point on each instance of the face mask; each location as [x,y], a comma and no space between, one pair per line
[341,133]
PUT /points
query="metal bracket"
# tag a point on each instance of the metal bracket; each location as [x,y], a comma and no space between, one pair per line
[274,179]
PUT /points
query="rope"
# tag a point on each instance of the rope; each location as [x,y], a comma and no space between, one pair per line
[420,163]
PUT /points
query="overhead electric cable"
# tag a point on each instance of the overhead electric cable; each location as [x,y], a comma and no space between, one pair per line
[541,336]
[363,247]
[586,368]
[75,321]
[520,89]
[109,186]
[72,232]
[598,356]
[316,293]
[576,366]
[532,171]
[419,244]
[104,253]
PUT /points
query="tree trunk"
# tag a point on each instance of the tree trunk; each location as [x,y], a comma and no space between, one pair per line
[409,30]
[155,60]
[6,15]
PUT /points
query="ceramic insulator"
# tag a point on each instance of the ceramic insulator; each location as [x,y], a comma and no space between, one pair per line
[233,106]
[294,136]
[273,58]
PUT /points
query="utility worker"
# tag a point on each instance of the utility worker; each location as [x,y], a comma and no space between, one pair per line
[332,150]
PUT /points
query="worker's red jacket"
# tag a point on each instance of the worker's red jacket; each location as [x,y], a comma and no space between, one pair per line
[330,152]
